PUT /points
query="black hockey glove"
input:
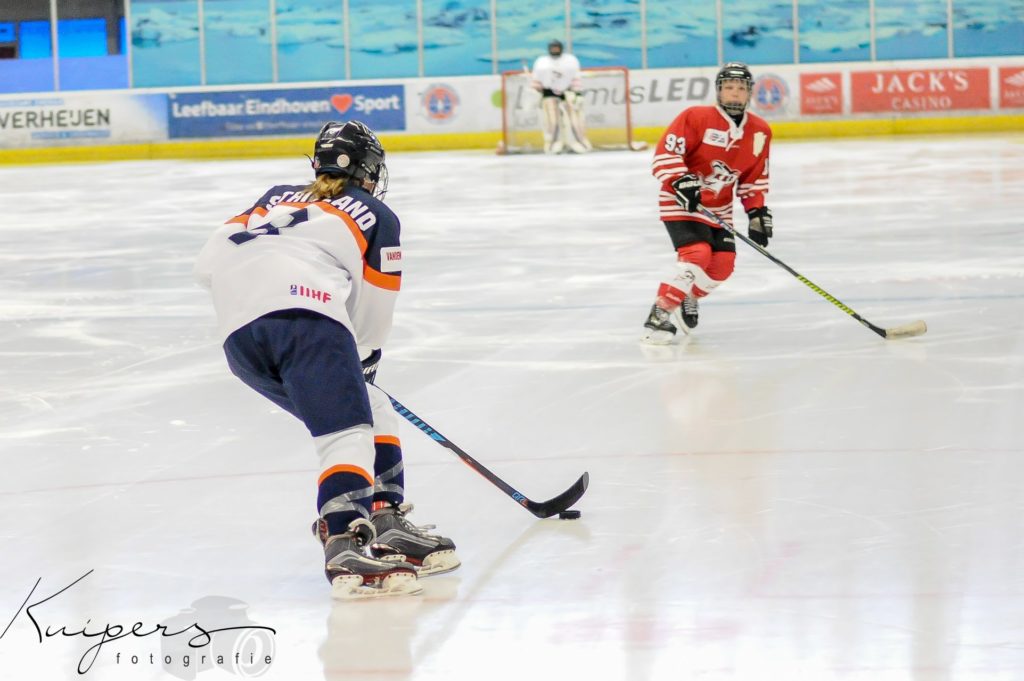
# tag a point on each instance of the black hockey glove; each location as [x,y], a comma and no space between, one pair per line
[760,228]
[687,190]
[370,366]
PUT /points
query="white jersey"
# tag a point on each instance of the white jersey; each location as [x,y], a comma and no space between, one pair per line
[341,258]
[557,74]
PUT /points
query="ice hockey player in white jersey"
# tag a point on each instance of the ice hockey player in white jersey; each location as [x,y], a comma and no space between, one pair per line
[556,75]
[304,285]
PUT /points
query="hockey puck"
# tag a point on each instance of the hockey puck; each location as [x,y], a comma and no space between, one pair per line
[571,514]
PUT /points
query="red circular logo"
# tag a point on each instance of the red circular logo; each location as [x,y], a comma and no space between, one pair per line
[770,94]
[440,102]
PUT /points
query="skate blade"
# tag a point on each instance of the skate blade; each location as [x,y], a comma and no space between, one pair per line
[434,564]
[657,337]
[351,587]
[677,318]
[439,563]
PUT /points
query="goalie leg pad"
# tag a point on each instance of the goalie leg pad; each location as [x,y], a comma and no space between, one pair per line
[552,129]
[578,141]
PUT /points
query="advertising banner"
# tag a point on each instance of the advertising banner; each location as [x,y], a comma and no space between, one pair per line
[69,119]
[658,96]
[821,93]
[247,113]
[1011,87]
[918,90]
[453,105]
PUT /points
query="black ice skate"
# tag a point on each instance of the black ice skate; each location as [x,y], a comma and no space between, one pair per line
[354,572]
[690,312]
[400,540]
[659,329]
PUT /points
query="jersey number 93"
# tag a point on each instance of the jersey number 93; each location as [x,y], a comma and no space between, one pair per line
[675,145]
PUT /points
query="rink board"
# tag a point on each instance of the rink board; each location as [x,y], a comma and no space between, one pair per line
[799,101]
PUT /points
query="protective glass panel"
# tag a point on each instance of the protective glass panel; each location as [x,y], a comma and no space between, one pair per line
[681,33]
[165,42]
[384,43]
[92,46]
[606,33]
[310,40]
[983,28]
[82,37]
[235,28]
[457,38]
[525,27]
[910,29]
[757,32]
[835,30]
[26,62]
[34,39]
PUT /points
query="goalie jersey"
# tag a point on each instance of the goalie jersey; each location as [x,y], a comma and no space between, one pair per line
[730,159]
[557,74]
[339,257]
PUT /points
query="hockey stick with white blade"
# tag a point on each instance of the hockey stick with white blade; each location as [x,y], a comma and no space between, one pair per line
[903,331]
[543,509]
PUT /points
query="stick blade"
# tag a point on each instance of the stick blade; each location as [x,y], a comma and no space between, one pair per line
[563,501]
[907,330]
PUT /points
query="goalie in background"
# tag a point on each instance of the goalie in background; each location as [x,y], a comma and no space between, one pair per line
[556,75]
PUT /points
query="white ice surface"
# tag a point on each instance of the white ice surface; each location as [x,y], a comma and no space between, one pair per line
[784,496]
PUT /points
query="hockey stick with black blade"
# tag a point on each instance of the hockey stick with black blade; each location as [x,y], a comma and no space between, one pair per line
[543,509]
[903,331]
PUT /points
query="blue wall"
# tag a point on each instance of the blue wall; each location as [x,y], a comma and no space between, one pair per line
[314,41]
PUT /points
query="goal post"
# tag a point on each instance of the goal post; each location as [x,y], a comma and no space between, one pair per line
[606,111]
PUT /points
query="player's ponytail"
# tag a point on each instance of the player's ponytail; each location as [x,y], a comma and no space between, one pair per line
[326,186]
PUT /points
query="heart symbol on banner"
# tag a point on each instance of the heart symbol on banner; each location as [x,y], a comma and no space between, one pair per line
[341,102]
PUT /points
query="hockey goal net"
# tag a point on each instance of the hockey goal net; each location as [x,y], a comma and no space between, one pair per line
[606,111]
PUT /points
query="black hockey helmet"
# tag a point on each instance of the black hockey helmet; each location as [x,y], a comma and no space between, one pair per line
[351,150]
[555,48]
[734,70]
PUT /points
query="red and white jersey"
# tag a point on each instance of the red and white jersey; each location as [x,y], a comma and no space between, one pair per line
[705,141]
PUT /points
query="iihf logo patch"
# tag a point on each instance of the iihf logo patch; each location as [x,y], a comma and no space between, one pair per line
[306,292]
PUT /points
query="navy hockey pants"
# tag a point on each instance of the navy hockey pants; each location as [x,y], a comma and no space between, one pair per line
[305,363]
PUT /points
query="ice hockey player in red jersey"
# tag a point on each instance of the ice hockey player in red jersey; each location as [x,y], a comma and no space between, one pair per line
[705,157]
[304,285]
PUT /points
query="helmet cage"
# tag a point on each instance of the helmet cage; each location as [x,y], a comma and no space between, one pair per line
[734,70]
